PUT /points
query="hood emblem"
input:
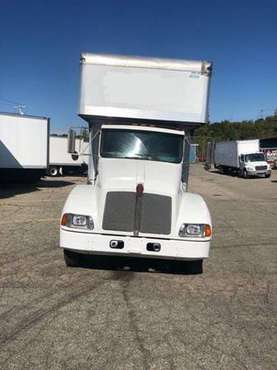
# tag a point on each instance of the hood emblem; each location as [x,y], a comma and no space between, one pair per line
[139,189]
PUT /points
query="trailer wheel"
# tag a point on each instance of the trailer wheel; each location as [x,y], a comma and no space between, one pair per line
[71,259]
[54,171]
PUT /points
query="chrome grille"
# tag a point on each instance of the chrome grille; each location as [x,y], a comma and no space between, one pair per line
[260,168]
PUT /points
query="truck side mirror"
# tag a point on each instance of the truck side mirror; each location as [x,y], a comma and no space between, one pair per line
[71,141]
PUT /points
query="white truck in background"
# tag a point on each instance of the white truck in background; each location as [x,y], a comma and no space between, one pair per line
[24,147]
[63,163]
[140,113]
[242,157]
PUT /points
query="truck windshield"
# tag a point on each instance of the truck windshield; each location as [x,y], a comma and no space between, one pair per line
[256,157]
[137,144]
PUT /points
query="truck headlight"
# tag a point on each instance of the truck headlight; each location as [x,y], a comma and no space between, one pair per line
[195,230]
[77,221]
[250,168]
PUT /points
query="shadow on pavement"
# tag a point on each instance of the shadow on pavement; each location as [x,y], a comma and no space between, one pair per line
[126,264]
[45,183]
[217,172]
[8,190]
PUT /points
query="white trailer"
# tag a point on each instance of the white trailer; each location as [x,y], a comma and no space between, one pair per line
[140,112]
[241,156]
[24,147]
[62,162]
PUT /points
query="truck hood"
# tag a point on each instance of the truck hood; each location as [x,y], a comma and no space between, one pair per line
[125,174]
[254,164]
[160,181]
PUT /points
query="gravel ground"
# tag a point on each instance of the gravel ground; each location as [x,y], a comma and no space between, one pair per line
[103,317]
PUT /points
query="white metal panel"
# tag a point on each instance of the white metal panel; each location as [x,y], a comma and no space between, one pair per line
[142,62]
[144,128]
[144,88]
[23,141]
[248,146]
[60,156]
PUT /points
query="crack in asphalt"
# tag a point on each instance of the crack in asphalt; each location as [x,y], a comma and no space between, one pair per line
[126,278]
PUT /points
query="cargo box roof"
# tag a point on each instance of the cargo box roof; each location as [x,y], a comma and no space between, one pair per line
[155,63]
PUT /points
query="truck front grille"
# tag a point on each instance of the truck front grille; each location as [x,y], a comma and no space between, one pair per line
[120,209]
[261,168]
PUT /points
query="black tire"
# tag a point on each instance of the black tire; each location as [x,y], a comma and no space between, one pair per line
[196,267]
[53,171]
[245,174]
[191,267]
[71,259]
[268,175]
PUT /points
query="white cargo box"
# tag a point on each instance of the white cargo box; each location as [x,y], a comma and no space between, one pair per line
[227,152]
[144,88]
[60,156]
[23,141]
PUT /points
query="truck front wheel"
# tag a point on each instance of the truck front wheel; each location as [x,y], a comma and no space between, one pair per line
[245,174]
[71,259]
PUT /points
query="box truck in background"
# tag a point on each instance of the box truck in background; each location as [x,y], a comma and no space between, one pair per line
[242,157]
[140,113]
[24,147]
[61,162]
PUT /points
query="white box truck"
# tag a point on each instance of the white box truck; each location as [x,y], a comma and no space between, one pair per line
[61,162]
[140,112]
[24,147]
[242,157]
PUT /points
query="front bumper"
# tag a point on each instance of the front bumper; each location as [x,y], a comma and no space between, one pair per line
[259,172]
[134,246]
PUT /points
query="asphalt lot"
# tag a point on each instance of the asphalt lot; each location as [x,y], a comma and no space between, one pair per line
[102,317]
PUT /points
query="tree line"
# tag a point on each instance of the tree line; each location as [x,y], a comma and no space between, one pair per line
[225,130]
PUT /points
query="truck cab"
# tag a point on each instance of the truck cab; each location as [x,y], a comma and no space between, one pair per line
[254,164]
[136,201]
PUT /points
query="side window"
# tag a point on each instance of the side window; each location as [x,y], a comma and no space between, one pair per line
[242,158]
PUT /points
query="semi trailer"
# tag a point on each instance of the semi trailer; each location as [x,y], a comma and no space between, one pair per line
[242,157]
[62,162]
[140,113]
[24,147]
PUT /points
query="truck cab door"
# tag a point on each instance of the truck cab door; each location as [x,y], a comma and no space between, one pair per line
[241,161]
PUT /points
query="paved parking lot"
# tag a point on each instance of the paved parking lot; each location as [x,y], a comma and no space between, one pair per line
[103,317]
